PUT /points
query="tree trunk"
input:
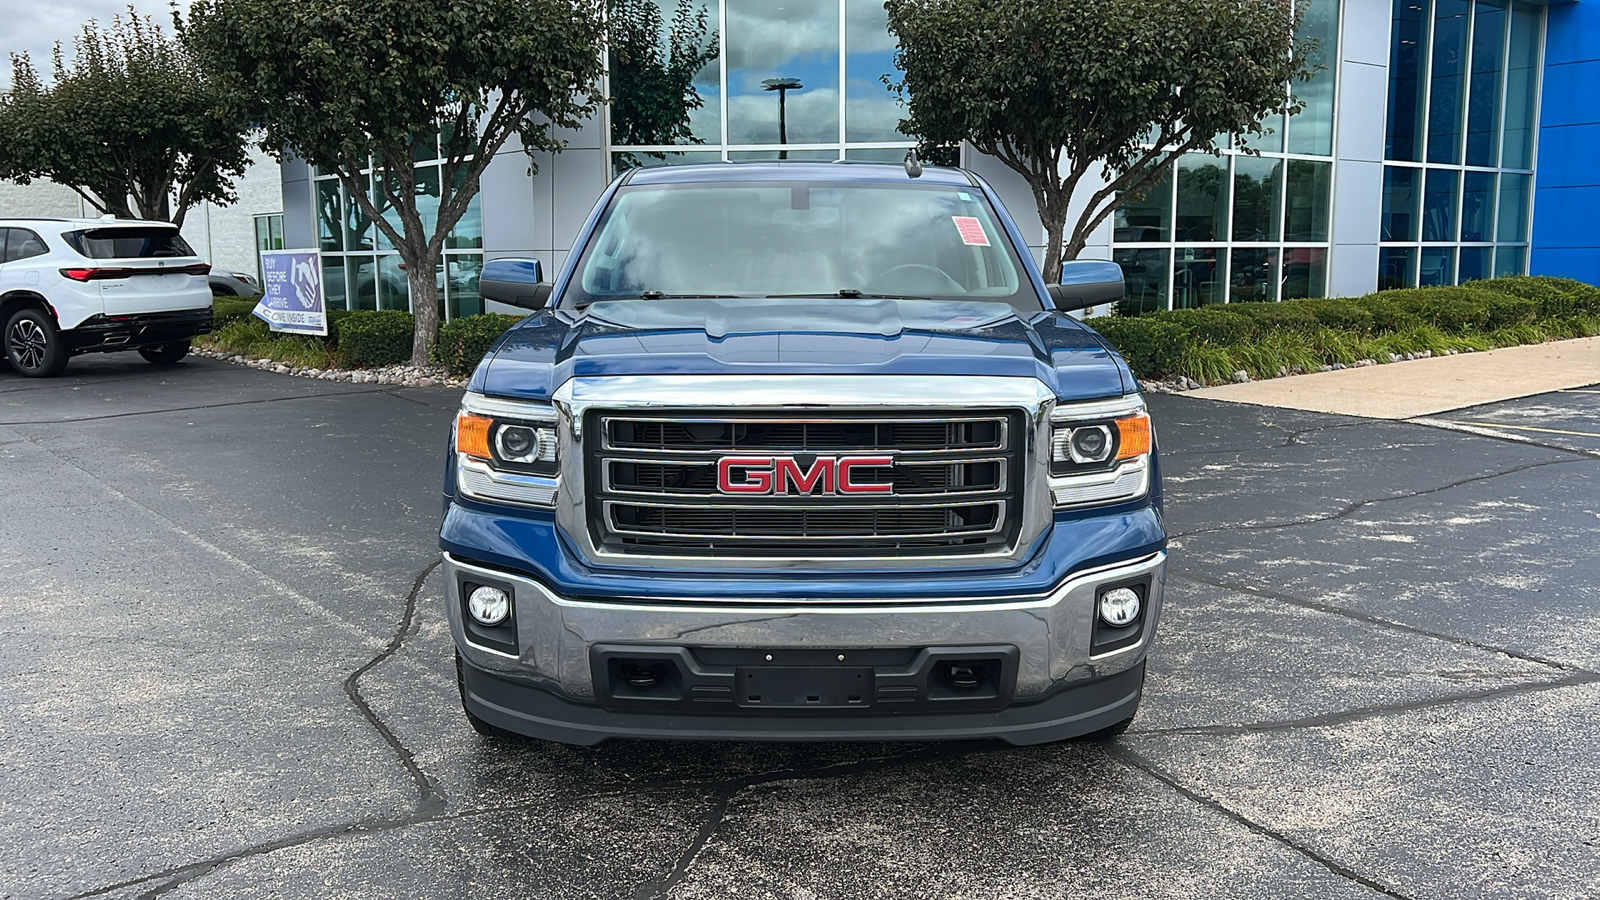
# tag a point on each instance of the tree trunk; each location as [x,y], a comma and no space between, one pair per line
[1054,217]
[421,278]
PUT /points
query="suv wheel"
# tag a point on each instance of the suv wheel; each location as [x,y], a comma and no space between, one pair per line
[165,354]
[33,344]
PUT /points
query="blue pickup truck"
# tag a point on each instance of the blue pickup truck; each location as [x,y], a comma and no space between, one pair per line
[802,452]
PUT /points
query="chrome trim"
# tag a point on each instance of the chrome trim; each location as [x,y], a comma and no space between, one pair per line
[1126,482]
[606,445]
[813,395]
[1053,629]
[608,509]
[475,479]
[1001,487]
[498,407]
[1130,404]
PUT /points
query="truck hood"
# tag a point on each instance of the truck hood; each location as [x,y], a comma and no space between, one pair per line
[798,337]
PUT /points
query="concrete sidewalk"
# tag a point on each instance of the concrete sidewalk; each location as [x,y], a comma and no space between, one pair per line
[1426,386]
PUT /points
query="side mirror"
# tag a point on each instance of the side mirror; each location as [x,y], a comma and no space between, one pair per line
[1086,283]
[514,282]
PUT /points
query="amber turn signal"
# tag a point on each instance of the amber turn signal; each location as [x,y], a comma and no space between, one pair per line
[1133,436]
[472,435]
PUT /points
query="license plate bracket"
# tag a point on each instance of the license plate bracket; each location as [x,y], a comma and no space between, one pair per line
[804,687]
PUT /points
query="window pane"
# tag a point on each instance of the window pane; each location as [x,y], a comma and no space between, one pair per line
[1145,273]
[1400,198]
[1306,212]
[1513,226]
[1408,56]
[462,281]
[1312,130]
[329,227]
[1397,267]
[771,46]
[1447,80]
[1257,192]
[426,147]
[1305,272]
[870,112]
[275,231]
[1148,218]
[1522,83]
[1438,266]
[1508,261]
[333,282]
[1474,264]
[1439,206]
[427,188]
[360,233]
[361,285]
[1202,198]
[1483,104]
[878,154]
[468,231]
[775,153]
[1477,207]
[622,162]
[1254,275]
[666,75]
[1196,277]
[393,291]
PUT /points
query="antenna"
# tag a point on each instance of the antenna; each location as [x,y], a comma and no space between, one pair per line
[913,165]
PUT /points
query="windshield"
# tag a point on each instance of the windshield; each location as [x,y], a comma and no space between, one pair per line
[800,239]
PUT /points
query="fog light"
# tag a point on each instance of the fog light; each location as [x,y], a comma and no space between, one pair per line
[489,605]
[1119,607]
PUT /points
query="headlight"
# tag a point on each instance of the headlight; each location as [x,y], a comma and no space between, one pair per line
[508,450]
[1096,446]
[1099,452]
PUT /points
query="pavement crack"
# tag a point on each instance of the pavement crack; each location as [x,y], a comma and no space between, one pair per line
[1358,505]
[1369,619]
[1343,717]
[702,837]
[1133,759]
[178,409]
[428,796]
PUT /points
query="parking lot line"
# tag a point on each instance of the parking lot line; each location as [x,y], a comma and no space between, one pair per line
[1522,427]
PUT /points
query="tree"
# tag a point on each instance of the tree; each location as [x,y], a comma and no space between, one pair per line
[130,122]
[1055,88]
[366,87]
[652,75]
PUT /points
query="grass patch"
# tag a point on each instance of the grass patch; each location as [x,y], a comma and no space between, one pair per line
[1211,343]
[251,338]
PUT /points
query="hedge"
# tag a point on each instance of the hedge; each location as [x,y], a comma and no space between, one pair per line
[375,337]
[1212,342]
[465,341]
[230,309]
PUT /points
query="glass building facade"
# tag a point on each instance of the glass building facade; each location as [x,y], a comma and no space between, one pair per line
[1459,140]
[1417,158]
[360,267]
[1242,226]
[801,79]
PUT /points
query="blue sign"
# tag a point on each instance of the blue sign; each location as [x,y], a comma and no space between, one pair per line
[291,292]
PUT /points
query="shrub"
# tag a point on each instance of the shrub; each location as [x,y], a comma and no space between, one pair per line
[230,309]
[465,341]
[1148,343]
[375,337]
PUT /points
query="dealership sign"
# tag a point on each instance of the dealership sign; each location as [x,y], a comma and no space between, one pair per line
[291,292]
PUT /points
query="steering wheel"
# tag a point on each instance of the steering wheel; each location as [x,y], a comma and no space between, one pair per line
[911,278]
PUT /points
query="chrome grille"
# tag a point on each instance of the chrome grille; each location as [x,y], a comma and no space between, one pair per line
[653,485]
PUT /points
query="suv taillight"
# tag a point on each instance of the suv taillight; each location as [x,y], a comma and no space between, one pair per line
[103,274]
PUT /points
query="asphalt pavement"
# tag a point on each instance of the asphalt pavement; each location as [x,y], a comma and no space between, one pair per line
[228,674]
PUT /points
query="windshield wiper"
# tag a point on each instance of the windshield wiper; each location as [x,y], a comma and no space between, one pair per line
[850,294]
[660,295]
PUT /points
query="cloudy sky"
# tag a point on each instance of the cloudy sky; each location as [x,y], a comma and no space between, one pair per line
[35,25]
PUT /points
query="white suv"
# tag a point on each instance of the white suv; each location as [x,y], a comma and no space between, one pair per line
[71,286]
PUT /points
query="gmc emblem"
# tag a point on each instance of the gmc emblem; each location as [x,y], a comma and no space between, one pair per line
[784,475]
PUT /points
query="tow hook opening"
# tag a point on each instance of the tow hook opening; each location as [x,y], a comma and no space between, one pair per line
[645,679]
[965,679]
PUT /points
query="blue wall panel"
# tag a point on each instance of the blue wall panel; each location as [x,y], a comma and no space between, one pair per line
[1566,206]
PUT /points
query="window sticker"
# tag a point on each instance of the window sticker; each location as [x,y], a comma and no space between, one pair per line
[971,231]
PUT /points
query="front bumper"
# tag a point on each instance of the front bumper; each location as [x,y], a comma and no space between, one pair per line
[103,334]
[546,674]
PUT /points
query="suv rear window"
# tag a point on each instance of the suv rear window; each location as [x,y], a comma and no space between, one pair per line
[129,243]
